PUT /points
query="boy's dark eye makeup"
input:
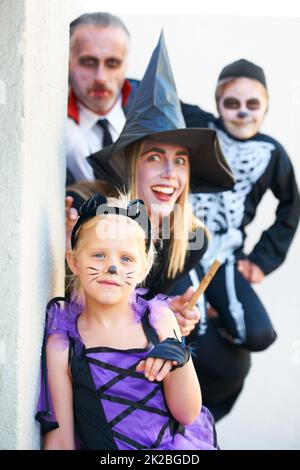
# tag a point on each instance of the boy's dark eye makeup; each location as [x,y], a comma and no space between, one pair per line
[253,103]
[234,103]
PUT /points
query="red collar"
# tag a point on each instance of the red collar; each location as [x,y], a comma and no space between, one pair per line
[73,111]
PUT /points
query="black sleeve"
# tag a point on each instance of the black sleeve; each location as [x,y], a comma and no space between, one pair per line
[271,249]
[195,116]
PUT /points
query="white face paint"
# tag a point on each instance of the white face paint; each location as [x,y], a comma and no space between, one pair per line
[162,175]
[242,106]
[98,64]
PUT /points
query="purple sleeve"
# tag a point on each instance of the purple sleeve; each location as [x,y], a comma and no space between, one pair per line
[45,413]
[140,305]
[60,320]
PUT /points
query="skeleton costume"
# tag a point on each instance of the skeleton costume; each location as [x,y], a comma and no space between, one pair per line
[258,163]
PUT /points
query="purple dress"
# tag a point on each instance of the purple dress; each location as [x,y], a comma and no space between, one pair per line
[116,407]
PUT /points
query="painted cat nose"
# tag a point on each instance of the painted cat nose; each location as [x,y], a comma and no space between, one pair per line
[242,114]
[112,269]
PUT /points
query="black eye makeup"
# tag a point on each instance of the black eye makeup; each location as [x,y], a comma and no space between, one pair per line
[233,103]
[88,61]
[253,103]
[113,63]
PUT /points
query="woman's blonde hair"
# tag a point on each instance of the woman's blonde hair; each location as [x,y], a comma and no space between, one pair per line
[182,222]
[147,256]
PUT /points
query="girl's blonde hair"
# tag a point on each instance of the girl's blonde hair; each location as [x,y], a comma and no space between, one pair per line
[182,222]
[147,256]
[86,189]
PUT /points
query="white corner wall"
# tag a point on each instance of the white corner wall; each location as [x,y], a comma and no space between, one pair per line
[33,96]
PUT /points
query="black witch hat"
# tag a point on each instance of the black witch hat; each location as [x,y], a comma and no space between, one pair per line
[155,113]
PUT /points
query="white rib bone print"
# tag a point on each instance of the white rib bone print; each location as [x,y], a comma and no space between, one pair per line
[248,161]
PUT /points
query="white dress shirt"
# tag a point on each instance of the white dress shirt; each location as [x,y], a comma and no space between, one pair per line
[86,138]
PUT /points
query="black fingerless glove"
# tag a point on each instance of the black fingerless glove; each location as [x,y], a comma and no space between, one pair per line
[171,349]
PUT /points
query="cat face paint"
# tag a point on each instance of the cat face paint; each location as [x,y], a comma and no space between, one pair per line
[97,256]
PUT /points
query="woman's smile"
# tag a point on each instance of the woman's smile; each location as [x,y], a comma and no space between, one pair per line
[163,192]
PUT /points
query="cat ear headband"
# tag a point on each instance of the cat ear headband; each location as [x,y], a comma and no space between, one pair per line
[97,205]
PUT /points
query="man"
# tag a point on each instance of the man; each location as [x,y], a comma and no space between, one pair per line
[99,93]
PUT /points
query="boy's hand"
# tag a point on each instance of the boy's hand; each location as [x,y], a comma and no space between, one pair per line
[71,217]
[187,319]
[155,368]
[251,272]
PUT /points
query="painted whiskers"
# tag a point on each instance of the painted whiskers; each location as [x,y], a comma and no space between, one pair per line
[96,273]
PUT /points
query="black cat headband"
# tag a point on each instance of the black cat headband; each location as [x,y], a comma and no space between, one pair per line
[97,205]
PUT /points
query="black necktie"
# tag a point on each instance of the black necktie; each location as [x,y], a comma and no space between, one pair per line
[107,140]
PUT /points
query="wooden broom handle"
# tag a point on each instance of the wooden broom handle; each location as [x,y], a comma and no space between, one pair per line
[203,284]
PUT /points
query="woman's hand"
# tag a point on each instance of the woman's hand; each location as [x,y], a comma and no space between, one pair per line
[187,319]
[251,272]
[155,368]
[71,217]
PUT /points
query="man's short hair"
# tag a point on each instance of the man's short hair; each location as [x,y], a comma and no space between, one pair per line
[102,19]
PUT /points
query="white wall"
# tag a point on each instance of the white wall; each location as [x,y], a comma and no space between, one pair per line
[33,90]
[267,415]
[33,96]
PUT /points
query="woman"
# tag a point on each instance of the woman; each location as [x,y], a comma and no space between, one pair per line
[155,157]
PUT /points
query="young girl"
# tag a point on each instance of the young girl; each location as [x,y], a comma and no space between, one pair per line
[115,375]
